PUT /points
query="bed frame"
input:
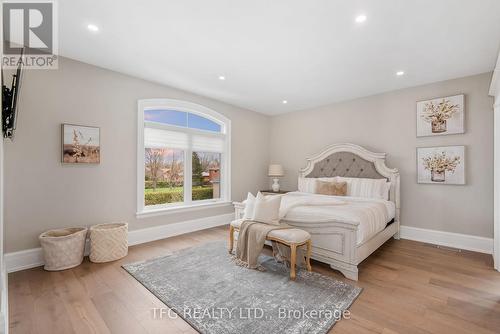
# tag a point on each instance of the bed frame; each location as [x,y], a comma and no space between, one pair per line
[334,242]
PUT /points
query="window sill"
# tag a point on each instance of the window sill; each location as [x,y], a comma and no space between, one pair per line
[146,213]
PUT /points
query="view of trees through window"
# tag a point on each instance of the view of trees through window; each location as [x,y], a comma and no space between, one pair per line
[206,175]
[164,176]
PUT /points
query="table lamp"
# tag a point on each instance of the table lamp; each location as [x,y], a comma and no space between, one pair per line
[275,171]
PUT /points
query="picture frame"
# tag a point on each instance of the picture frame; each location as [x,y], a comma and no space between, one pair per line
[80,144]
[441,116]
[441,165]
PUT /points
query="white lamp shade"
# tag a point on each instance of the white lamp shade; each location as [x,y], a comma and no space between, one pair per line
[275,170]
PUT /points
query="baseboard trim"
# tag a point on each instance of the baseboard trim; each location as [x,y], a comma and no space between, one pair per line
[31,258]
[141,236]
[448,239]
[25,259]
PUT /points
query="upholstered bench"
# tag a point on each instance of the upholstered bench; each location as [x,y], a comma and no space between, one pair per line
[291,237]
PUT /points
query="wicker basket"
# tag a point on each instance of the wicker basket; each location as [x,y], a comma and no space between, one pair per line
[108,242]
[63,249]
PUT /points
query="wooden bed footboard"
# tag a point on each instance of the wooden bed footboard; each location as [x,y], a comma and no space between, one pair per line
[333,243]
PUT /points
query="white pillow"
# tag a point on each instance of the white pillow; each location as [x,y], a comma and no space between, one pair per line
[267,209]
[249,207]
[386,191]
[307,185]
[367,188]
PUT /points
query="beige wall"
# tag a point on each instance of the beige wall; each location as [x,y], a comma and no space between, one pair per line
[43,194]
[386,123]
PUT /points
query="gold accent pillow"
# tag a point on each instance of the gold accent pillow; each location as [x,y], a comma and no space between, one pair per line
[332,188]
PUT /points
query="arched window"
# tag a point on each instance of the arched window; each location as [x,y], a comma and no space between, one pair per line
[183,156]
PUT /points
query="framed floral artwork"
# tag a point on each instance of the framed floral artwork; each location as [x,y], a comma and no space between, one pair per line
[441,116]
[441,165]
[80,144]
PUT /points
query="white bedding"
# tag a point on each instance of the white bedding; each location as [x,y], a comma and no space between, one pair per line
[370,214]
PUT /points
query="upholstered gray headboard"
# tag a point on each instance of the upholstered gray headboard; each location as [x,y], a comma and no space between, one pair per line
[352,160]
[345,164]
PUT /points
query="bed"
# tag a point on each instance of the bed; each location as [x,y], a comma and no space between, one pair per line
[344,235]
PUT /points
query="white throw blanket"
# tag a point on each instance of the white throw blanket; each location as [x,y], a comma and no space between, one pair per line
[297,199]
[369,214]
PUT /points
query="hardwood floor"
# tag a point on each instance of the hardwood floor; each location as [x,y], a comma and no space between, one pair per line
[409,287]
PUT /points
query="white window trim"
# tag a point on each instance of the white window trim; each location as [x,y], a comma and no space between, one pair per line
[187,205]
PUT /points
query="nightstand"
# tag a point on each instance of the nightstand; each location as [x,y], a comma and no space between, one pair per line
[270,192]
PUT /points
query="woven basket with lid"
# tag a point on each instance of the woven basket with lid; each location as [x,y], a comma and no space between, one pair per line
[108,242]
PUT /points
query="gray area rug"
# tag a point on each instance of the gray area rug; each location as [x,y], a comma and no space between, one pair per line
[214,295]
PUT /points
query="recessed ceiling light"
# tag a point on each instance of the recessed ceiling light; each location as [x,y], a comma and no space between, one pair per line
[360,18]
[400,73]
[93,27]
[221,77]
[285,101]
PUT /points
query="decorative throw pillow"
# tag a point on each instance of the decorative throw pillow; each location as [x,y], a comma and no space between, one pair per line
[331,188]
[308,184]
[266,209]
[249,207]
[363,187]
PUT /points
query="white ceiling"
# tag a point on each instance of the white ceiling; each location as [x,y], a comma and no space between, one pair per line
[310,53]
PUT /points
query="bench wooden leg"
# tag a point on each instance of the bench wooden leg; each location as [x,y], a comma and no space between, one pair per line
[231,238]
[293,260]
[308,255]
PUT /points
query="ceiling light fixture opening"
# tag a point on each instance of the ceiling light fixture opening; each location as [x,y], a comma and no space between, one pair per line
[361,18]
[93,28]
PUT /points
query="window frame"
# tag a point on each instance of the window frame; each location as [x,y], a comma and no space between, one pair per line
[225,173]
